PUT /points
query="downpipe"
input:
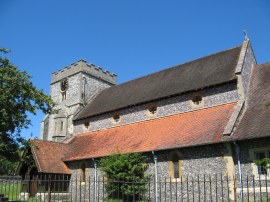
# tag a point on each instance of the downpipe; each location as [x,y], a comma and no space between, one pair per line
[95,179]
[156,177]
[237,149]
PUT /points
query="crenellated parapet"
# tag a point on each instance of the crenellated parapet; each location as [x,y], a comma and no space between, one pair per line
[82,66]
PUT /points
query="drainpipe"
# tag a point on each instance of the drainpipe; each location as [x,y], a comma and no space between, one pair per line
[156,178]
[95,179]
[237,149]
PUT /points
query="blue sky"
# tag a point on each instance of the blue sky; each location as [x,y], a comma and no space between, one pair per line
[129,38]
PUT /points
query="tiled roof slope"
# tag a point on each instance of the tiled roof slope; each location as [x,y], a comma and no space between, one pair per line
[182,130]
[256,119]
[207,71]
[49,155]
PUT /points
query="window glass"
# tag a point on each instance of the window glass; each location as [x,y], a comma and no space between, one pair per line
[62,126]
[83,175]
[176,166]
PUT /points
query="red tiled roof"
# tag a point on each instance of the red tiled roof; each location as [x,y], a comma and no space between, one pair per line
[49,155]
[187,129]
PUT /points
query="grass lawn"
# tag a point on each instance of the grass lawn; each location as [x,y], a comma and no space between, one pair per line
[12,191]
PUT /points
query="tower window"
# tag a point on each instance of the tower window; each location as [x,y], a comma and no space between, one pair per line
[63,88]
[62,125]
[64,95]
[55,127]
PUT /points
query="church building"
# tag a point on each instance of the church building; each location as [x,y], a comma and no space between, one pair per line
[205,116]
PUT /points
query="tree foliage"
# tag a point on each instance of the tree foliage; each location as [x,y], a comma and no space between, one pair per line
[264,163]
[18,98]
[123,168]
[7,167]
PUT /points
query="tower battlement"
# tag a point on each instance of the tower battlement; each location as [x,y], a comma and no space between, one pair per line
[82,66]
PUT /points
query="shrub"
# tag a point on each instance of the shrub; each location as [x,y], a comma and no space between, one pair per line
[125,174]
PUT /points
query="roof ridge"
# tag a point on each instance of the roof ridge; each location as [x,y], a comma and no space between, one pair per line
[150,120]
[48,141]
[174,66]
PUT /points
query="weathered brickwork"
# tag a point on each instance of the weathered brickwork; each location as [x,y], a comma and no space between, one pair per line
[179,104]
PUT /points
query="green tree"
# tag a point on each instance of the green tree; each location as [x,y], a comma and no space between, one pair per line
[18,98]
[125,174]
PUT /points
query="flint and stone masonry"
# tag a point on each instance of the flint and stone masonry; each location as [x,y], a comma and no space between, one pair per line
[84,81]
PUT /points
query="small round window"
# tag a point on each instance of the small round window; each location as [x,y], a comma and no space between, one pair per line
[152,109]
[116,117]
[197,99]
[86,125]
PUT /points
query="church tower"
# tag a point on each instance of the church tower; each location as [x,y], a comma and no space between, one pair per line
[71,88]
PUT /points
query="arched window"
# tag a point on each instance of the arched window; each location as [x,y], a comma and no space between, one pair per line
[63,88]
[175,164]
[83,172]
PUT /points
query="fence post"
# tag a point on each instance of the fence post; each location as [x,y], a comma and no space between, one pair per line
[234,188]
[49,189]
[156,177]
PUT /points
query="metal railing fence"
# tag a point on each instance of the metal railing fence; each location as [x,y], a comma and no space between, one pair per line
[185,189]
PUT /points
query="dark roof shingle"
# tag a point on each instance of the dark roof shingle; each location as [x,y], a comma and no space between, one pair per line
[255,122]
[207,71]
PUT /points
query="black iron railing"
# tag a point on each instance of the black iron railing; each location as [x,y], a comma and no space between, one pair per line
[186,188]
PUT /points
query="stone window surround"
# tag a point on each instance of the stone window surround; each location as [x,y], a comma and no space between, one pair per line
[81,172]
[252,157]
[114,118]
[148,112]
[86,125]
[171,166]
[64,88]
[193,105]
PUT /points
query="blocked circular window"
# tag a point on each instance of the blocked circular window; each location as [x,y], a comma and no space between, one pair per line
[152,109]
[197,99]
[116,117]
[86,125]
